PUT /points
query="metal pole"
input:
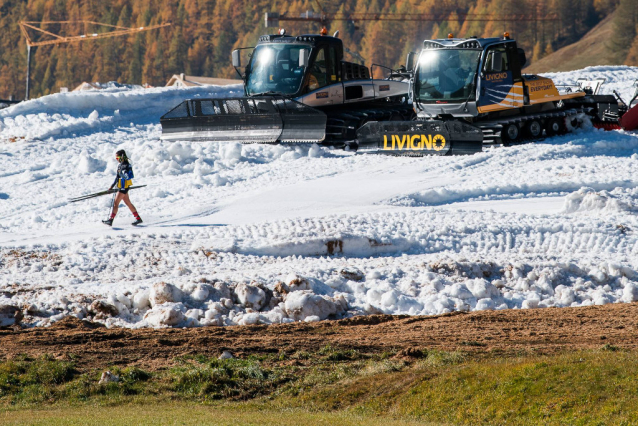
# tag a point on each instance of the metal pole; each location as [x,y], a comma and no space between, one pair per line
[112,204]
[28,70]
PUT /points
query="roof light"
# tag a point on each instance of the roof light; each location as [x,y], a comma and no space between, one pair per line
[506,35]
[282,31]
[324,31]
[450,35]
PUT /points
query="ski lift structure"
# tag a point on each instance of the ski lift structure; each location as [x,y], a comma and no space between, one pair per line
[29,27]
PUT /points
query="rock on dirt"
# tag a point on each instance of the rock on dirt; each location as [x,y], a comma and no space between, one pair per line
[226,355]
[10,315]
[108,377]
[352,274]
[104,308]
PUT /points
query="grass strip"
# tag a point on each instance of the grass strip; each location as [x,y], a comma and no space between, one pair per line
[333,385]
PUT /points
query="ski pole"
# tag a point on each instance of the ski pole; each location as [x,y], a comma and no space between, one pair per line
[99,194]
[112,204]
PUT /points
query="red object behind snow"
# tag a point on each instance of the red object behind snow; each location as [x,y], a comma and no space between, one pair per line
[629,121]
[606,126]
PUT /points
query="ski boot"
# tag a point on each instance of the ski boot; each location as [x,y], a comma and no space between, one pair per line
[108,222]
[138,219]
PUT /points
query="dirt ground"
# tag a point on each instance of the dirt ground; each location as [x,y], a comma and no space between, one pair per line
[510,331]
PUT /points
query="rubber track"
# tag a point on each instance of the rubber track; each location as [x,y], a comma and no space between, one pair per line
[492,128]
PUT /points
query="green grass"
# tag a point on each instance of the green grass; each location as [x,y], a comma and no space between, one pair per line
[178,413]
[33,380]
[595,387]
[225,379]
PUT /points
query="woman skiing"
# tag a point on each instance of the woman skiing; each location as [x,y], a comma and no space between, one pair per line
[123,180]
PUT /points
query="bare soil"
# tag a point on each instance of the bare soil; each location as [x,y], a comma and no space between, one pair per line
[487,332]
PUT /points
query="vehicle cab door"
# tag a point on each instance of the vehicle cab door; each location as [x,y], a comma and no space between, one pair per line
[498,89]
[334,75]
[322,84]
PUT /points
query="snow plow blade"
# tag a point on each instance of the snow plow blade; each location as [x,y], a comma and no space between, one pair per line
[418,138]
[247,120]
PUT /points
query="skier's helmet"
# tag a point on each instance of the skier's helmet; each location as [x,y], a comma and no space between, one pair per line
[121,156]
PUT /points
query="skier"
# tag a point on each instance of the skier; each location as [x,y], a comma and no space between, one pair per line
[123,180]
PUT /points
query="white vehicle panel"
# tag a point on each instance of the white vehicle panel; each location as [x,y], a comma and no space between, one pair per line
[354,91]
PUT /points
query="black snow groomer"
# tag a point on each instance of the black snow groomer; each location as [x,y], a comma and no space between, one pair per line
[297,90]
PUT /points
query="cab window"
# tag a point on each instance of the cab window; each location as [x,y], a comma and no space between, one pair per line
[318,71]
[505,65]
[332,66]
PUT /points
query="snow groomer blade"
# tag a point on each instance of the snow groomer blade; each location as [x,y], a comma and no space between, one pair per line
[247,120]
[418,138]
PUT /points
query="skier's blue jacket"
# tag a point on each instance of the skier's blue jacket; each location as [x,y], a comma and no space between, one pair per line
[124,177]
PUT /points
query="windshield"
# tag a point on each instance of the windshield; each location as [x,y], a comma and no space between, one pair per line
[447,75]
[275,68]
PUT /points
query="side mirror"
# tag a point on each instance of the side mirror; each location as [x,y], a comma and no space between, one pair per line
[409,61]
[497,62]
[522,60]
[303,57]
[236,58]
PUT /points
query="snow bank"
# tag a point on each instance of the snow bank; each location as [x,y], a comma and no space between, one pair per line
[64,114]
[422,285]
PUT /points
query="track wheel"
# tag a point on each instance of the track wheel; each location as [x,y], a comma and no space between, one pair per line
[555,126]
[534,129]
[509,133]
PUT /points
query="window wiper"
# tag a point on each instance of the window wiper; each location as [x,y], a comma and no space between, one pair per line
[464,108]
[268,93]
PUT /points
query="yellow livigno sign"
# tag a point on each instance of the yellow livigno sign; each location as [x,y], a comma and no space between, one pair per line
[414,142]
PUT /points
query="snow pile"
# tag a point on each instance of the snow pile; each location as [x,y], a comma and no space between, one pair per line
[75,113]
[588,200]
[259,234]
[422,286]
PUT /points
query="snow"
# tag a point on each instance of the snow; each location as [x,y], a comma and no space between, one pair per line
[257,234]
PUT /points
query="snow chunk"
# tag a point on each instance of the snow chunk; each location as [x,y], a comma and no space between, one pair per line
[588,200]
[164,293]
[630,293]
[231,152]
[300,305]
[481,289]
[484,304]
[200,293]
[251,296]
[250,319]
[141,299]
[164,315]
[315,151]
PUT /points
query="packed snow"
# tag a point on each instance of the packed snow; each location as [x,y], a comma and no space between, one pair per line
[258,234]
